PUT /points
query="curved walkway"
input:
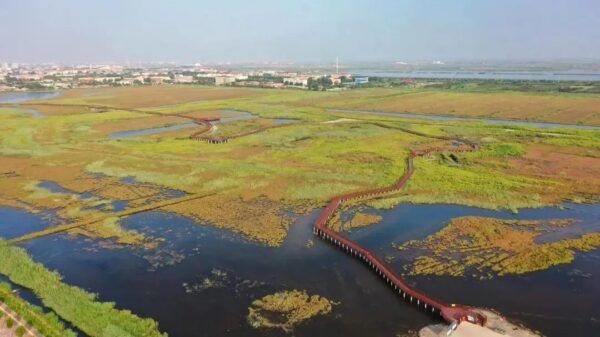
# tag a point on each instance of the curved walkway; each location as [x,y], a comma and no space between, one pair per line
[452,313]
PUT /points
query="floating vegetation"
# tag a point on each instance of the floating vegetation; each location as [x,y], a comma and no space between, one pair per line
[286,309]
[163,257]
[259,219]
[486,247]
[217,279]
[362,220]
[220,279]
[247,285]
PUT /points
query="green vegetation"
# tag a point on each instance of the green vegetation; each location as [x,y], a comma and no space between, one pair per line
[286,309]
[360,219]
[250,184]
[20,331]
[471,85]
[82,309]
[487,246]
[48,324]
[299,165]
[470,185]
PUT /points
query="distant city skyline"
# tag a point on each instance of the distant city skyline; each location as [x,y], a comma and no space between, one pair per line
[309,31]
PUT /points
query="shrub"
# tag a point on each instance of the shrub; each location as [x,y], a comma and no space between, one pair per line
[20,331]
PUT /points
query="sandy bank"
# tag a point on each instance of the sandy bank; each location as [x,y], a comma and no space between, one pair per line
[497,326]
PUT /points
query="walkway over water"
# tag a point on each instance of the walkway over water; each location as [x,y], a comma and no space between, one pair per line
[450,312]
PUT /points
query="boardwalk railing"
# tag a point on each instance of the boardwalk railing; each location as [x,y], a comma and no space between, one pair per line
[450,312]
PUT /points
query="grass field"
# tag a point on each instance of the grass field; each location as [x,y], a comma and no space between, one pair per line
[556,108]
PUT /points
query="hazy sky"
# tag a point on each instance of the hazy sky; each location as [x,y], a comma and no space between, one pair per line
[303,30]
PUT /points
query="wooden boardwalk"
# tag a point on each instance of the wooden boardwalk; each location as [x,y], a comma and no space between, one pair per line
[452,313]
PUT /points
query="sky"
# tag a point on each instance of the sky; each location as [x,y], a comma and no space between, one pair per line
[301,31]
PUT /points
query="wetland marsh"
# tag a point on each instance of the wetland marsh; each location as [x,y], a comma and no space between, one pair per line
[239,227]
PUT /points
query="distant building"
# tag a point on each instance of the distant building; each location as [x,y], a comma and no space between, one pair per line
[224,80]
[28,77]
[86,80]
[337,78]
[159,79]
[111,79]
[296,80]
[184,79]
[127,81]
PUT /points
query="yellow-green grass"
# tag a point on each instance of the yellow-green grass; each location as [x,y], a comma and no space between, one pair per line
[47,324]
[487,247]
[306,162]
[82,309]
[558,108]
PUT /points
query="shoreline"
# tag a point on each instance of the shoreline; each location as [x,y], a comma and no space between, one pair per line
[497,326]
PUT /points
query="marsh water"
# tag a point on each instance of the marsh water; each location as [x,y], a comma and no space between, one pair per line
[20,97]
[151,131]
[201,280]
[231,116]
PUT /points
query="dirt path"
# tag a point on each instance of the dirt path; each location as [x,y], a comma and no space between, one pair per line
[18,322]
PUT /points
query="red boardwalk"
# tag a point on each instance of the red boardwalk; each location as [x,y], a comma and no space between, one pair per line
[450,312]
